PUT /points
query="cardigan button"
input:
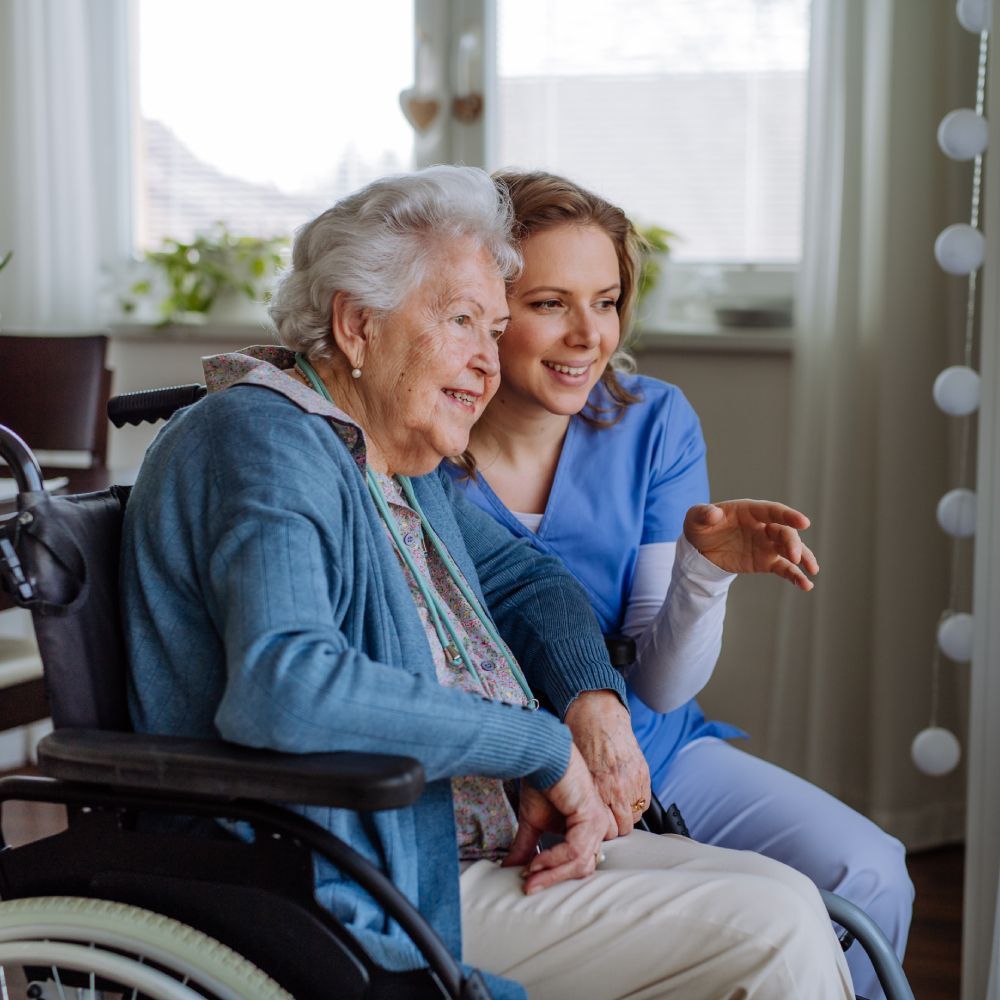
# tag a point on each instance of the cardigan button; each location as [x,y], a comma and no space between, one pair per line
[488,665]
[409,538]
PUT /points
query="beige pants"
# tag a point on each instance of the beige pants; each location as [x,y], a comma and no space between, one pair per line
[661,917]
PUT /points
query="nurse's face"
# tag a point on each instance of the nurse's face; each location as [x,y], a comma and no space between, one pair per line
[563,325]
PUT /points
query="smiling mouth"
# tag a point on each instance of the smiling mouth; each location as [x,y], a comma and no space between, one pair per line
[466,398]
[566,369]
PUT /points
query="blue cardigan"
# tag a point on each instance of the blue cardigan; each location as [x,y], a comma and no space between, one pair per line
[263,604]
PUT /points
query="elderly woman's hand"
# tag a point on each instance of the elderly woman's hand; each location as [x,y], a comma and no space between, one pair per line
[753,536]
[571,807]
[602,729]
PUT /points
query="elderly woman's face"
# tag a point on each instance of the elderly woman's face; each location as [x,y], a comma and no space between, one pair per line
[432,366]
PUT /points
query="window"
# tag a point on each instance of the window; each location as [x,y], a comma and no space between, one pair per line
[688,113]
[262,115]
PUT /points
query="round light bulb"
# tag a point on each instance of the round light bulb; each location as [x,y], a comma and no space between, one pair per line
[956,391]
[954,637]
[936,751]
[956,513]
[963,134]
[973,15]
[960,248]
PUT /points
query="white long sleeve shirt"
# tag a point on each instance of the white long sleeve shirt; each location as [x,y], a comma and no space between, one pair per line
[675,612]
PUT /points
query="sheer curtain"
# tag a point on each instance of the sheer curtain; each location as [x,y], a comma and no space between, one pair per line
[869,450]
[64,160]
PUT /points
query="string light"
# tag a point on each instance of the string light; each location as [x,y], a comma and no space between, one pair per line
[956,391]
[959,249]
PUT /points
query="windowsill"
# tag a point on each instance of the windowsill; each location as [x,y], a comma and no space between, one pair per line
[681,336]
[671,336]
[237,333]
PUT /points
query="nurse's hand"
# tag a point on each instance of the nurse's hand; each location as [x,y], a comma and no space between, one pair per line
[753,536]
[602,729]
[571,807]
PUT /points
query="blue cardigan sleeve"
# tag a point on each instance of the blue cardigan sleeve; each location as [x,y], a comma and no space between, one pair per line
[542,613]
[286,563]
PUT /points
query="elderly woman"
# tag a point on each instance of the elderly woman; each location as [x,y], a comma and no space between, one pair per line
[295,576]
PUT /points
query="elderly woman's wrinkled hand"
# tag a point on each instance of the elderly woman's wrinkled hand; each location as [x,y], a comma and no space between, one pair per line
[753,536]
[602,729]
[571,807]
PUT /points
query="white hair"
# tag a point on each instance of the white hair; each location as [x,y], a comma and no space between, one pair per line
[379,243]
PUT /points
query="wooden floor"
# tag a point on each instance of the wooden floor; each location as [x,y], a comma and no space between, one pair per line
[933,957]
[934,952]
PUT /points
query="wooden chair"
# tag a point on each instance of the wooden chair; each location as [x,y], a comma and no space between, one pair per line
[55,394]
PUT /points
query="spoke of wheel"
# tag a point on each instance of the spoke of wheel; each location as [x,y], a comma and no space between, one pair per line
[58,981]
[3,984]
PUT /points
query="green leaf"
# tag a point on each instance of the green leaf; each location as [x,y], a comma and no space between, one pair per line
[197,271]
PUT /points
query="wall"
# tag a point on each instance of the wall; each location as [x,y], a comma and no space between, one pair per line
[741,394]
[142,359]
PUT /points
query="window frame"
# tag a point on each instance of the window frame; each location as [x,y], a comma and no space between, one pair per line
[441,22]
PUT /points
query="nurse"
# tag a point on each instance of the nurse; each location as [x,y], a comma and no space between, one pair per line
[607,471]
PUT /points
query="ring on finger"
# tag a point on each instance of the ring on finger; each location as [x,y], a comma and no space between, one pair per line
[639,805]
[599,858]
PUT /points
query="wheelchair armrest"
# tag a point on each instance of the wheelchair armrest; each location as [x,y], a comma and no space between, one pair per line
[357,781]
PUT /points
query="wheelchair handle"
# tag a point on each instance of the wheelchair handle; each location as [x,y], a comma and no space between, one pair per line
[22,462]
[152,405]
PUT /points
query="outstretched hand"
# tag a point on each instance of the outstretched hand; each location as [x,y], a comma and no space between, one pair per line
[753,536]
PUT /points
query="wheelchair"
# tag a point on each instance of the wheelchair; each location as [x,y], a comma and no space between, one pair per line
[116,906]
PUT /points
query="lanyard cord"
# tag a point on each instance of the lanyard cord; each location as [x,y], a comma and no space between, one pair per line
[454,648]
[454,651]
[456,574]
[310,373]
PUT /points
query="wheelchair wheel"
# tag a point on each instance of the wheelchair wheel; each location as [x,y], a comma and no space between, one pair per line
[69,947]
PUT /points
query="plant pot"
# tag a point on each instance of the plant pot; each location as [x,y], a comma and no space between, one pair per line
[236,309]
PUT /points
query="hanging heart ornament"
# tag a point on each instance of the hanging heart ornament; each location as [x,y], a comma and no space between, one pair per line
[467,109]
[420,110]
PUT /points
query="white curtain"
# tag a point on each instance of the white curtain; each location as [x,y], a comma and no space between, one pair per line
[869,451]
[64,160]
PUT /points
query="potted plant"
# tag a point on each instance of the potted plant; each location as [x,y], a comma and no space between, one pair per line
[652,291]
[194,277]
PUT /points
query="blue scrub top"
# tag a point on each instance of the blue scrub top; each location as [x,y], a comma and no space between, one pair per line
[617,488]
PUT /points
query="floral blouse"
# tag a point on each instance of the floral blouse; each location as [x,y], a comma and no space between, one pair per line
[484,819]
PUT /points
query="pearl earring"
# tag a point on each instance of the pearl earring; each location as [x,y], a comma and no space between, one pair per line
[355,373]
